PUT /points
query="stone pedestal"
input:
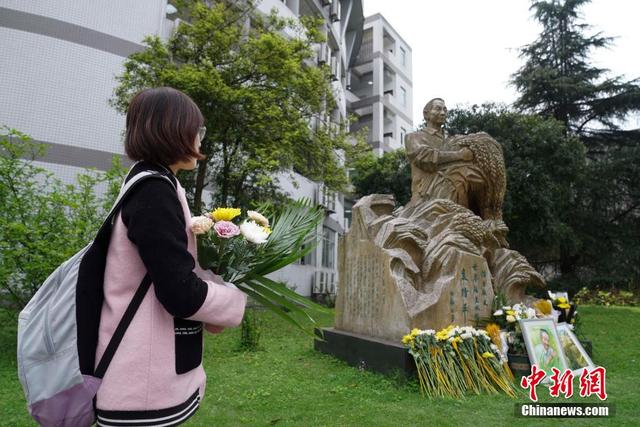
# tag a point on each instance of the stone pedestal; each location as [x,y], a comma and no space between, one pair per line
[365,352]
[369,302]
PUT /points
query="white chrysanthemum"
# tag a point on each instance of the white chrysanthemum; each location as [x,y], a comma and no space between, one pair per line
[511,319]
[429,332]
[258,218]
[531,313]
[494,347]
[201,224]
[253,232]
[466,335]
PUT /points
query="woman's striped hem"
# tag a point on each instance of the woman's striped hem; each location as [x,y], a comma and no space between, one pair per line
[155,418]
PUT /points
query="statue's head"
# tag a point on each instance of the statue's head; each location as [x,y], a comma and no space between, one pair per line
[435,112]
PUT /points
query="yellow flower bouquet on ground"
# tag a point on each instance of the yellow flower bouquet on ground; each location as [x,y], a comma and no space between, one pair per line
[458,360]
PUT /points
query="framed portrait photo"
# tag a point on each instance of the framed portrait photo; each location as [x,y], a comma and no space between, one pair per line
[576,356]
[543,345]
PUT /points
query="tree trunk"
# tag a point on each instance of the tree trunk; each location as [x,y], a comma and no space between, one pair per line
[197,198]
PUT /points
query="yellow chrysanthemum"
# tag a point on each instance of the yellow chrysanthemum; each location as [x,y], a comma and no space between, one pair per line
[407,339]
[225,214]
[494,333]
[564,305]
[488,355]
[562,300]
[415,332]
[543,306]
[511,313]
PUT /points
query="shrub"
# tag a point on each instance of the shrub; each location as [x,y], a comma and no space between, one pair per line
[44,221]
[609,297]
[250,330]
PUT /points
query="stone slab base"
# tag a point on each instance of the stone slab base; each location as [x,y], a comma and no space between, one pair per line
[366,352]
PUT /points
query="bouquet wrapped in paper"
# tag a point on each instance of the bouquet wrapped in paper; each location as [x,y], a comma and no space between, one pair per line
[244,249]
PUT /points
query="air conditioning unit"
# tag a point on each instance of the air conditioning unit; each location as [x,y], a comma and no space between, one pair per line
[323,54]
[334,67]
[326,198]
[334,13]
[324,282]
[319,282]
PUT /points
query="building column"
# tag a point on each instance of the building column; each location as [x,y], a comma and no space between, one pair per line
[294,5]
[377,133]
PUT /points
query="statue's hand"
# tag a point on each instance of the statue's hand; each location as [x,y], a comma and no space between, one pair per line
[467,155]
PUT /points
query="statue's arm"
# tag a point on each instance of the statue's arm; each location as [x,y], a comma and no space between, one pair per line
[453,156]
[428,158]
[422,155]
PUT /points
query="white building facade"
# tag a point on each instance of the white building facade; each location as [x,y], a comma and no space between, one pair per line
[381,85]
[58,66]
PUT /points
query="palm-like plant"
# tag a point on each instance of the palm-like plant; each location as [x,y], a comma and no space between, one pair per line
[247,266]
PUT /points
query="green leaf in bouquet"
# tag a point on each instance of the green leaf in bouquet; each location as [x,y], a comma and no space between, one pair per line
[277,309]
[207,255]
[281,290]
[293,229]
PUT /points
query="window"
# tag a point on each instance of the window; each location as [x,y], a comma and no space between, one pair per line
[403,96]
[328,247]
[403,133]
[403,56]
[308,259]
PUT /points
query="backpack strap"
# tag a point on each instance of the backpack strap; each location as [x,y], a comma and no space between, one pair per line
[133,306]
[126,189]
[110,351]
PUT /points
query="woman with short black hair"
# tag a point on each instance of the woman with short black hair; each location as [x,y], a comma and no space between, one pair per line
[156,375]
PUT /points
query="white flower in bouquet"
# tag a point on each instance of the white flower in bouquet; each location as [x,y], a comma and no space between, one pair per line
[258,218]
[466,335]
[531,313]
[494,348]
[201,224]
[498,313]
[254,232]
[511,318]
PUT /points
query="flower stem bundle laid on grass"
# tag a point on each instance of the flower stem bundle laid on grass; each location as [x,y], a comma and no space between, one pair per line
[245,250]
[458,360]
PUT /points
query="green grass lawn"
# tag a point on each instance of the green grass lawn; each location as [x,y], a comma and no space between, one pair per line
[288,383]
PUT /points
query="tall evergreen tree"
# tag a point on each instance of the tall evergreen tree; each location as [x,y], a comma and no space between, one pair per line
[559,80]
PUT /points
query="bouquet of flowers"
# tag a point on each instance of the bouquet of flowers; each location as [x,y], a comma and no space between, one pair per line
[457,360]
[566,310]
[245,249]
[505,320]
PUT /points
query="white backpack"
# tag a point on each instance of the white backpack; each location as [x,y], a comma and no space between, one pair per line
[58,331]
